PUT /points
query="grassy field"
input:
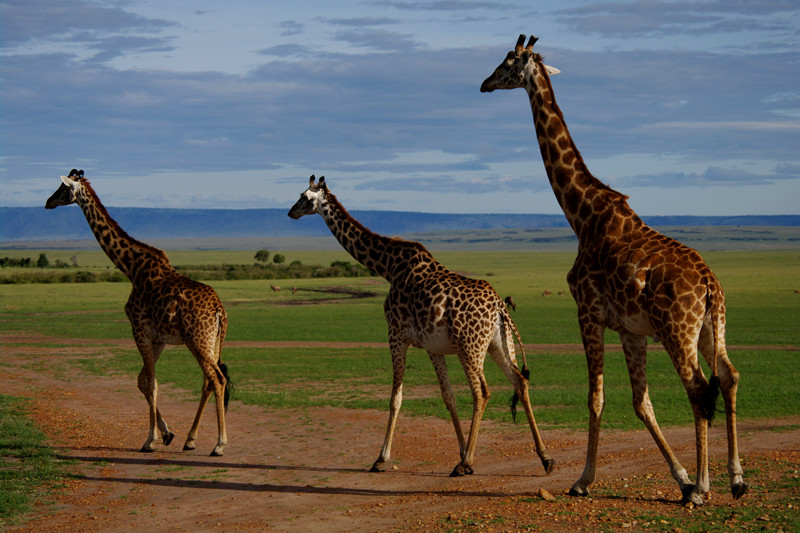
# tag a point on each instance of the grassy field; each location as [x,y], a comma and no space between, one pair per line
[763,313]
[763,318]
[29,468]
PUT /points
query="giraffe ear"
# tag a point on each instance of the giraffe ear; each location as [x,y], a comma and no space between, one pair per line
[68,181]
[551,71]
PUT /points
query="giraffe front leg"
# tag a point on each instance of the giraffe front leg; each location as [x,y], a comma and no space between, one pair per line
[149,388]
[440,366]
[398,350]
[148,385]
[596,401]
[635,348]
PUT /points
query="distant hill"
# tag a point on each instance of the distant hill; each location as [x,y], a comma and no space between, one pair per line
[37,224]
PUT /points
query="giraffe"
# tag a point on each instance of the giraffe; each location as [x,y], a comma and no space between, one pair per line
[633,280]
[164,308]
[431,307]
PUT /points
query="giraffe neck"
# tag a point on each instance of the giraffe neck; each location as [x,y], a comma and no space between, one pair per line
[130,256]
[390,258]
[582,197]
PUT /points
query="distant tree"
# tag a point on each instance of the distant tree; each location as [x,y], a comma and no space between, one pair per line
[278,259]
[43,262]
[262,256]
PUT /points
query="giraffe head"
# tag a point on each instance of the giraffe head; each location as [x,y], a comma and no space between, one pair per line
[67,193]
[311,199]
[518,68]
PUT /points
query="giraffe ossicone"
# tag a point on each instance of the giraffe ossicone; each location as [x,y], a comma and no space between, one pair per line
[433,308]
[164,307]
[633,280]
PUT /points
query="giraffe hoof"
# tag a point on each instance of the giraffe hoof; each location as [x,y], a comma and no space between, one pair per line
[378,466]
[738,490]
[216,453]
[145,449]
[167,438]
[461,470]
[548,464]
[578,491]
[690,497]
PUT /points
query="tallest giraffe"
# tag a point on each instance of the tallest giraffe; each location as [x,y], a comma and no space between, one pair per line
[633,280]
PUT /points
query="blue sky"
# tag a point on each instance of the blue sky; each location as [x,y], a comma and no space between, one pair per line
[687,107]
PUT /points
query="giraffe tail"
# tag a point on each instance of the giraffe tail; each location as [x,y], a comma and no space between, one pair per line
[222,326]
[709,405]
[228,383]
[526,373]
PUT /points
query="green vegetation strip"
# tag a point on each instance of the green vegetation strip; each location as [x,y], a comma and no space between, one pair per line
[29,470]
[360,378]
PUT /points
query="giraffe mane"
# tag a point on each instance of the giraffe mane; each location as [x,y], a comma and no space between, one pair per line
[583,168]
[395,241]
[124,234]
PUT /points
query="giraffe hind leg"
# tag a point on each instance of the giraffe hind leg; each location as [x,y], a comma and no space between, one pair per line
[205,394]
[473,368]
[728,383]
[503,355]
[685,360]
[214,381]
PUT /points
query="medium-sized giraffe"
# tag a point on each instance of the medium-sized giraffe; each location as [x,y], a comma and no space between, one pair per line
[634,280]
[164,308]
[430,307]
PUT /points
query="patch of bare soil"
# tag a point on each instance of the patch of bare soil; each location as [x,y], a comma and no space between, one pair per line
[302,470]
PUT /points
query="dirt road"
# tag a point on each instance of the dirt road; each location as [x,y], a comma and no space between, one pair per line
[303,470]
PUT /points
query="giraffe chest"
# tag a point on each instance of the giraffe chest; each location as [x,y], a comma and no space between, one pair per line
[418,316]
[158,320]
[616,298]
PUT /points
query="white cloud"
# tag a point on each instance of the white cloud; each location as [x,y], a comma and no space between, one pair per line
[384,96]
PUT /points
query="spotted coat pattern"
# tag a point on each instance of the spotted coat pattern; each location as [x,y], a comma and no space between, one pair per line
[633,280]
[164,307]
[433,308]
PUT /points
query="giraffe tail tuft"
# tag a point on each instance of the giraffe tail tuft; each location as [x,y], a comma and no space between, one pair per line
[514,400]
[709,406]
[228,383]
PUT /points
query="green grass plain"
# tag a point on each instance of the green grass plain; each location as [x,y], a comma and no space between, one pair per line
[763,313]
[29,469]
[763,333]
